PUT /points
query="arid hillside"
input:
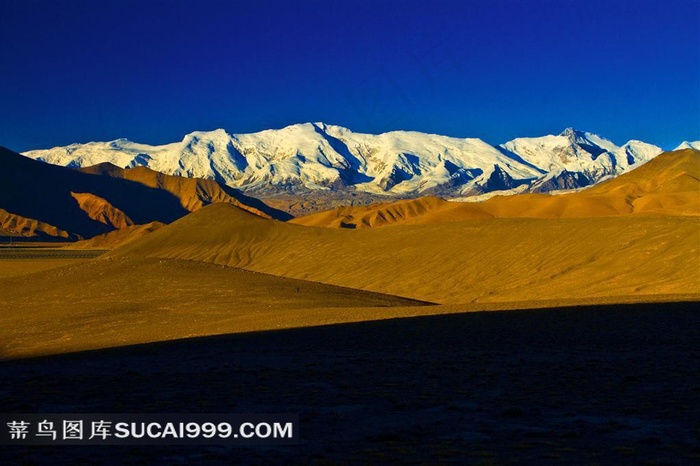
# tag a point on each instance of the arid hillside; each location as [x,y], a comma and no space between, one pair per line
[193,193]
[38,199]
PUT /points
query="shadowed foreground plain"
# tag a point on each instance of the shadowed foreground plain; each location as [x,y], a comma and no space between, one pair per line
[588,385]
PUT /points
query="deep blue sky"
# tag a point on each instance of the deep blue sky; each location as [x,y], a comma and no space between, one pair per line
[151,71]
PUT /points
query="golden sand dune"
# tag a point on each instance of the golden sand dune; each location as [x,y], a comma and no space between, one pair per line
[97,304]
[670,172]
[117,237]
[667,185]
[107,303]
[457,262]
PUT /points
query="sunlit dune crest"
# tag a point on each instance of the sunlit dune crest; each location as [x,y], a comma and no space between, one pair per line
[117,237]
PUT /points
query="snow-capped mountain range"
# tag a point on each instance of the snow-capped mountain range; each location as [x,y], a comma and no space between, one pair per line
[315,157]
[689,145]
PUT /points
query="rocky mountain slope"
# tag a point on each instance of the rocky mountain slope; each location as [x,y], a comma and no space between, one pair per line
[46,201]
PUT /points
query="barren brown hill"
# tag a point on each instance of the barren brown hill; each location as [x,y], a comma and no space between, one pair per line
[193,193]
[457,262]
[102,211]
[373,215]
[44,199]
[12,225]
[667,185]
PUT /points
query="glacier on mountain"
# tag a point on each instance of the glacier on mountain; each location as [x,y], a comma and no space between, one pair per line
[315,157]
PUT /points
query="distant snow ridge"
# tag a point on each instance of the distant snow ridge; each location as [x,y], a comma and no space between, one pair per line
[689,145]
[315,157]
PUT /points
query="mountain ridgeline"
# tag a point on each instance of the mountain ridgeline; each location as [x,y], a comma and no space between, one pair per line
[318,159]
[668,185]
[45,201]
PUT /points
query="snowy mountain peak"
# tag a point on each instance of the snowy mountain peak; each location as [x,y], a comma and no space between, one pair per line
[688,145]
[116,144]
[318,157]
[213,135]
[325,128]
[588,140]
[572,133]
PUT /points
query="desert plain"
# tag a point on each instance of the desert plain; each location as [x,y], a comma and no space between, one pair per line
[526,329]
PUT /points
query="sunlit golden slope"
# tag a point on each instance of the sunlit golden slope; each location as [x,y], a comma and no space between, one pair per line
[117,237]
[667,185]
[101,210]
[97,304]
[373,215]
[18,226]
[670,172]
[487,260]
